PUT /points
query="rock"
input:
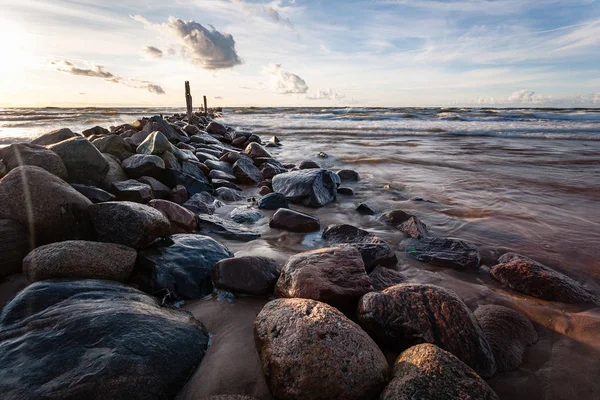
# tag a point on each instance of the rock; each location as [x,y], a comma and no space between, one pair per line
[345,191]
[217,183]
[216,174]
[308,164]
[14,246]
[232,156]
[157,123]
[294,221]
[335,276]
[159,190]
[182,220]
[97,130]
[384,278]
[91,339]
[323,155]
[51,209]
[193,169]
[179,267]
[140,165]
[445,252]
[528,276]
[192,130]
[275,140]
[310,350]
[204,138]
[54,137]
[365,209]
[227,194]
[132,190]
[178,195]
[312,187]
[269,171]
[245,215]
[427,372]
[193,184]
[202,203]
[255,150]
[508,333]
[404,222]
[273,201]
[215,128]
[348,175]
[229,397]
[171,161]
[255,276]
[130,224]
[80,259]
[85,164]
[115,172]
[410,313]
[156,144]
[114,145]
[220,166]
[3,169]
[265,190]
[212,224]
[20,154]
[94,194]
[246,172]
[394,217]
[239,142]
[374,250]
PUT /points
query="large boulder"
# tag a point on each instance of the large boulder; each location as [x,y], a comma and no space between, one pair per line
[54,137]
[85,164]
[445,252]
[132,190]
[179,267]
[508,333]
[335,276]
[96,130]
[91,339]
[114,145]
[51,209]
[426,372]
[14,246]
[294,221]
[182,220]
[130,224]
[374,250]
[156,143]
[213,225]
[139,165]
[311,187]
[528,276]
[80,259]
[310,350]
[409,313]
[216,128]
[250,275]
[246,172]
[19,154]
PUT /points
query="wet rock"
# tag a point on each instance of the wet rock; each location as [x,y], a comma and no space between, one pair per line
[132,190]
[269,171]
[182,220]
[528,276]
[156,143]
[179,267]
[273,201]
[212,224]
[345,191]
[239,142]
[255,276]
[54,137]
[245,215]
[365,209]
[114,145]
[404,222]
[97,130]
[85,164]
[14,246]
[201,203]
[227,194]
[193,184]
[265,190]
[220,166]
[384,278]
[335,276]
[311,187]
[20,154]
[171,161]
[51,209]
[194,169]
[232,156]
[323,155]
[246,172]
[255,150]
[104,340]
[310,350]
[178,195]
[157,123]
[410,313]
[374,250]
[94,194]
[215,128]
[217,183]
[159,190]
[80,259]
[115,172]
[130,224]
[204,138]
[445,252]
[308,164]
[508,333]
[427,372]
[275,140]
[348,175]
[140,165]
[216,174]
[3,169]
[294,221]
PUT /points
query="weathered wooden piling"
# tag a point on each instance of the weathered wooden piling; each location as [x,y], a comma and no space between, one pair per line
[188,100]
[205,107]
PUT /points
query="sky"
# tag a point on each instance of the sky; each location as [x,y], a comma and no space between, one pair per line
[489,53]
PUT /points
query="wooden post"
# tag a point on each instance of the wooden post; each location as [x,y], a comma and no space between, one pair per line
[188,100]
[205,107]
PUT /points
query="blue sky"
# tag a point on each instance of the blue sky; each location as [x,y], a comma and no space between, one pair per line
[301,53]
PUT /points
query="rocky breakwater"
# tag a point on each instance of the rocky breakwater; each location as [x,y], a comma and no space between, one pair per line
[128,290]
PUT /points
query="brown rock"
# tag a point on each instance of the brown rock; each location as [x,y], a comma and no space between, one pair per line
[80,259]
[333,275]
[115,172]
[178,195]
[246,275]
[348,175]
[409,313]
[384,278]
[294,221]
[14,246]
[132,190]
[264,190]
[409,224]
[182,220]
[426,372]
[114,145]
[310,350]
[55,136]
[85,164]
[445,252]
[308,164]
[255,150]
[20,154]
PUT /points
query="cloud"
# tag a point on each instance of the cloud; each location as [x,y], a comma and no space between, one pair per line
[218,98]
[326,94]
[275,16]
[285,82]
[98,71]
[152,52]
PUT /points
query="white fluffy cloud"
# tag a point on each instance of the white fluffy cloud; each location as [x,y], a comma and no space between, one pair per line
[326,94]
[285,82]
[524,96]
[152,52]
[98,71]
